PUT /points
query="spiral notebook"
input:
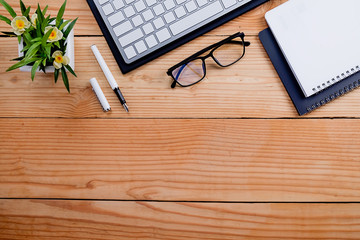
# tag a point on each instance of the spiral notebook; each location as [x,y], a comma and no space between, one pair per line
[319,39]
[303,104]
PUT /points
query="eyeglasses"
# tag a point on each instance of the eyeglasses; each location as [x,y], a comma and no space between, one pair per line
[193,69]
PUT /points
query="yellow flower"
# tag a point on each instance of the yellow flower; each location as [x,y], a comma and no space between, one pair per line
[55,35]
[60,60]
[20,24]
[33,20]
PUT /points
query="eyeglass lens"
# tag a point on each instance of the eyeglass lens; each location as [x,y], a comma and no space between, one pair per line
[229,53]
[190,72]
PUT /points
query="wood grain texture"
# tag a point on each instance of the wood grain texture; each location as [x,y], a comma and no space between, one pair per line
[192,160]
[250,88]
[232,139]
[40,219]
[251,23]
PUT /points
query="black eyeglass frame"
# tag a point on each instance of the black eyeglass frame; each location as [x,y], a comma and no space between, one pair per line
[203,58]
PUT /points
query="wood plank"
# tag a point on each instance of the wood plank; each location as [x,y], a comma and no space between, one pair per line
[43,219]
[251,23]
[250,88]
[186,160]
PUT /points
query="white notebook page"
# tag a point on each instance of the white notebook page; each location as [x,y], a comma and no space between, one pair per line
[320,40]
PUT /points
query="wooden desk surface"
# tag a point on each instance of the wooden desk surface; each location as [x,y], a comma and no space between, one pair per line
[226,159]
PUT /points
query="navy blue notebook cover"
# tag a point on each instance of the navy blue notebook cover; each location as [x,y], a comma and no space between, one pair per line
[124,67]
[303,105]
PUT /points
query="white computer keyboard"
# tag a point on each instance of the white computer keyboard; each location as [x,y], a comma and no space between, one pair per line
[139,27]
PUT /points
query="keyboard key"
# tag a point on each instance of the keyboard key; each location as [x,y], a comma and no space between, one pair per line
[159,9]
[163,35]
[148,15]
[108,9]
[118,4]
[150,2]
[196,18]
[180,1]
[116,18]
[137,20]
[169,4]
[169,17]
[130,52]
[103,1]
[140,5]
[148,28]
[158,23]
[129,1]
[191,6]
[180,11]
[131,37]
[129,11]
[140,46]
[123,28]
[151,41]
[201,2]
[229,3]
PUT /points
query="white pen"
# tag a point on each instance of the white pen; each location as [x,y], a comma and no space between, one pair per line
[100,95]
[109,76]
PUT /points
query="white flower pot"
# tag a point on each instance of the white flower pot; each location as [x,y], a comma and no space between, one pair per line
[69,53]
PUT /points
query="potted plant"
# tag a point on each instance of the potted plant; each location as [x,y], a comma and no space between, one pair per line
[44,42]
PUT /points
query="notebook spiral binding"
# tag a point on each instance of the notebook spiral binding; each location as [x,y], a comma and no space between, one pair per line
[336,94]
[337,79]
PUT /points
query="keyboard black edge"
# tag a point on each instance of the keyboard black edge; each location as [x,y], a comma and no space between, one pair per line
[125,68]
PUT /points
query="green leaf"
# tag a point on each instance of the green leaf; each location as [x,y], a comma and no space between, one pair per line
[26,14]
[40,16]
[56,75]
[22,63]
[38,28]
[36,39]
[45,9]
[17,59]
[60,14]
[65,78]
[46,37]
[70,70]
[45,23]
[69,28]
[64,24]
[57,44]
[48,51]
[44,62]
[19,39]
[27,38]
[8,8]
[25,48]
[23,8]
[5,19]
[34,68]
[33,50]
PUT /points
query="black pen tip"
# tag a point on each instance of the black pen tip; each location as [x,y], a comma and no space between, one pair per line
[126,107]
